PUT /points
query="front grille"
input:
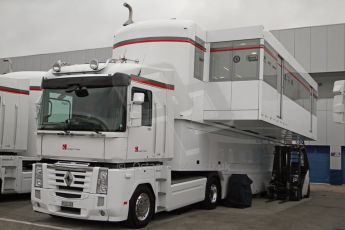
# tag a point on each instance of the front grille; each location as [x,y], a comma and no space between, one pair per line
[73,180]
[68,188]
[68,195]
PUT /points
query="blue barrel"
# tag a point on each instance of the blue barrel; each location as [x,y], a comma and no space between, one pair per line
[336,177]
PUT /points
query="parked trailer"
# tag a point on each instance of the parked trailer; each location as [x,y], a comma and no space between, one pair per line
[19,92]
[167,121]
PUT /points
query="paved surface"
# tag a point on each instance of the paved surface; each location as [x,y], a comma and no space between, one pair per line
[325,210]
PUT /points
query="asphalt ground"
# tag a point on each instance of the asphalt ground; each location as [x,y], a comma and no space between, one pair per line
[324,210]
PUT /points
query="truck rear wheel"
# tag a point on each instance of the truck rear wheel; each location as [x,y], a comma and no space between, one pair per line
[141,207]
[212,193]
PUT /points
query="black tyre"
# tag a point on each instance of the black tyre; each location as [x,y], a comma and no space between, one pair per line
[141,207]
[296,195]
[212,193]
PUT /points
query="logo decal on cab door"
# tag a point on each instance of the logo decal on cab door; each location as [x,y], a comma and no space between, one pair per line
[137,150]
[65,147]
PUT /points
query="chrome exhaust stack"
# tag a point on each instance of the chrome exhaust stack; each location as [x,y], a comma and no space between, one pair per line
[130,16]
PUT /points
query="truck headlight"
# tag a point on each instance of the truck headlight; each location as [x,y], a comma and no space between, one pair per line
[38,176]
[102,181]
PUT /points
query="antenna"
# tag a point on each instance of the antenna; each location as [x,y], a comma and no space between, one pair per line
[141,67]
[130,16]
[10,64]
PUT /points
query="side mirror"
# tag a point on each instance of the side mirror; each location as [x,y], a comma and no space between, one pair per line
[82,92]
[339,101]
[136,109]
[138,98]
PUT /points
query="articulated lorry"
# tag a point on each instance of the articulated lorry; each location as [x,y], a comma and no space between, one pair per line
[167,121]
[19,94]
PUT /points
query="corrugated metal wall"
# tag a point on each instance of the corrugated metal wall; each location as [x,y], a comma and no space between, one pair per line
[318,48]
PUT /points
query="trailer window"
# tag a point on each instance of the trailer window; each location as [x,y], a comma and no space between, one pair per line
[246,58]
[296,88]
[221,61]
[199,59]
[146,116]
[270,66]
[235,60]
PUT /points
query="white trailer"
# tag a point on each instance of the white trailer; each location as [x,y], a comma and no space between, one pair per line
[166,122]
[19,92]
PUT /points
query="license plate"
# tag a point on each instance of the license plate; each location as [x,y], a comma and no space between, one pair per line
[67,204]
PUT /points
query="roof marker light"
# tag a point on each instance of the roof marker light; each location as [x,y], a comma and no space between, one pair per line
[94,64]
[57,66]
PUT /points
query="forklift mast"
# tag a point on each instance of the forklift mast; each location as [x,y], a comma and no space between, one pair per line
[290,169]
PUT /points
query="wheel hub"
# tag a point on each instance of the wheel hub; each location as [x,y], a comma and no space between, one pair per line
[142,206]
[213,193]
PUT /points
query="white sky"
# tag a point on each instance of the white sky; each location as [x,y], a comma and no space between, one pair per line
[44,26]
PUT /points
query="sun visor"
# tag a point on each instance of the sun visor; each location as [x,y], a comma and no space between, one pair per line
[118,79]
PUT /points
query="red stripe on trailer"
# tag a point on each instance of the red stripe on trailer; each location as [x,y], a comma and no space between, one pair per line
[297,78]
[236,48]
[13,90]
[152,83]
[160,40]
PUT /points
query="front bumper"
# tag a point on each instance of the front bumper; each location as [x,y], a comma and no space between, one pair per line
[88,206]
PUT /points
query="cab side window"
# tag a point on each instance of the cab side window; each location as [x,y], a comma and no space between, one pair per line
[146,106]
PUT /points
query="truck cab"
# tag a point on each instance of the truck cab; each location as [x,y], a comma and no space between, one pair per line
[86,116]
[110,123]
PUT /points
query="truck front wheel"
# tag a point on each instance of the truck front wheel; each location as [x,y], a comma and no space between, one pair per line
[141,207]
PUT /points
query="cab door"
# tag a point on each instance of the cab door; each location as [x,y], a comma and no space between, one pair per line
[141,141]
[160,116]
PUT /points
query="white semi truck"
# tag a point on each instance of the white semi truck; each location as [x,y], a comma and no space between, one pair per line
[167,121]
[19,94]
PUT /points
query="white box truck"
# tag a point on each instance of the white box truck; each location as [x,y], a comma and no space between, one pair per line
[167,121]
[19,93]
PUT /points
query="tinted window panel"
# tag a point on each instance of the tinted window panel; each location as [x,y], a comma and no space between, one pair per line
[221,61]
[246,58]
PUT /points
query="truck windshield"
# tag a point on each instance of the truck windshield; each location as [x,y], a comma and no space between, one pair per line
[84,109]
